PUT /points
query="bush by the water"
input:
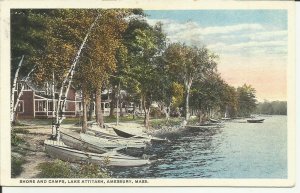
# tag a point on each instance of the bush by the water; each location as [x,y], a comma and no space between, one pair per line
[61,169]
[157,124]
[16,166]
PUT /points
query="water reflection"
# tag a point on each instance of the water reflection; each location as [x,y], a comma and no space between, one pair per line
[236,151]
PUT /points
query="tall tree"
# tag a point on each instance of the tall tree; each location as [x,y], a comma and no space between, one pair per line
[27,40]
[145,51]
[99,60]
[190,64]
[246,100]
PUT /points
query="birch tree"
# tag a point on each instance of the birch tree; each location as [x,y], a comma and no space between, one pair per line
[188,64]
[99,59]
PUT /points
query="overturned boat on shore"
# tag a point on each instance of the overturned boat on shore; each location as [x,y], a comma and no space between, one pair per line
[59,150]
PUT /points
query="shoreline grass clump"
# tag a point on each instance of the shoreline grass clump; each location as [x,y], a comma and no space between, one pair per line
[16,166]
[61,169]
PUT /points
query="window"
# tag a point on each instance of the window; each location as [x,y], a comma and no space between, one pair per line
[40,106]
[20,107]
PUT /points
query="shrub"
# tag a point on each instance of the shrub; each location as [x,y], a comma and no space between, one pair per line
[16,166]
[61,169]
[155,112]
[56,169]
[15,140]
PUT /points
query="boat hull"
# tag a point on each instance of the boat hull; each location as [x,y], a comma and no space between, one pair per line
[60,151]
[77,143]
[255,120]
[112,143]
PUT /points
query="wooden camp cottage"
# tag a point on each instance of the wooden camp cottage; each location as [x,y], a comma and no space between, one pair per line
[38,103]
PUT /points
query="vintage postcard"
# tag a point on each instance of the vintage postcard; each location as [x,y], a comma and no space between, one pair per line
[147,93]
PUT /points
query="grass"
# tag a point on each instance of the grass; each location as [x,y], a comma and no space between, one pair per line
[17,160]
[61,169]
[157,123]
[16,166]
[20,130]
[15,139]
[128,118]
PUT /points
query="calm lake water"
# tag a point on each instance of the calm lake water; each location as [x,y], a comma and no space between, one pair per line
[238,150]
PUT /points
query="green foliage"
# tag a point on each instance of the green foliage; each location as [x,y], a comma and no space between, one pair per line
[125,53]
[109,119]
[15,139]
[20,130]
[246,100]
[214,94]
[61,169]
[155,112]
[56,169]
[158,123]
[27,38]
[16,166]
[272,108]
[189,64]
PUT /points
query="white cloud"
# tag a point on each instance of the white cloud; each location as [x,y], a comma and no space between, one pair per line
[240,39]
[231,29]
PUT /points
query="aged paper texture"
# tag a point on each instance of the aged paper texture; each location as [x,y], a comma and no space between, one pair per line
[147,93]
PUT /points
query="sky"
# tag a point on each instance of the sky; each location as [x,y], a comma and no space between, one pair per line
[251,44]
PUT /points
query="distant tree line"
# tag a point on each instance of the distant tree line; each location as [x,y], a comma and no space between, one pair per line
[272,108]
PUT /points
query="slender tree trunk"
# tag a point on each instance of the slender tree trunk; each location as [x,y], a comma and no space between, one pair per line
[200,116]
[12,102]
[187,114]
[118,103]
[99,114]
[133,111]
[141,104]
[147,112]
[91,108]
[126,109]
[147,120]
[84,112]
[112,103]
[121,110]
[166,110]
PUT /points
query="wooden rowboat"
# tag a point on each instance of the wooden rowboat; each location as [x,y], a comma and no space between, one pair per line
[125,134]
[59,150]
[214,120]
[112,143]
[255,120]
[75,142]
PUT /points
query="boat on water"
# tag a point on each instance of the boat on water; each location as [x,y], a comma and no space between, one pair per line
[59,150]
[255,120]
[206,126]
